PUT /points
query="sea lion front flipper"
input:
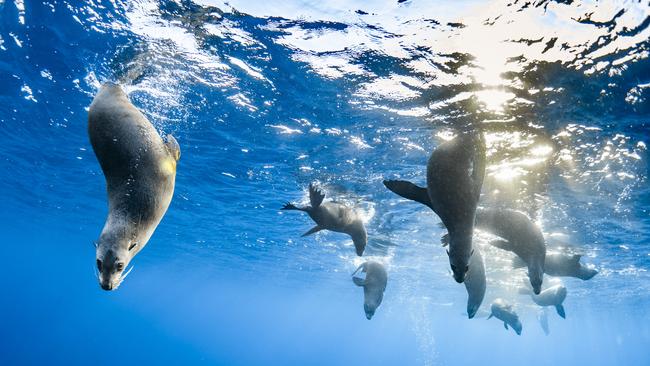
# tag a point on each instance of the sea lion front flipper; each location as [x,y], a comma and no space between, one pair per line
[501,244]
[444,240]
[490,317]
[359,281]
[173,147]
[409,191]
[560,311]
[315,229]
[315,196]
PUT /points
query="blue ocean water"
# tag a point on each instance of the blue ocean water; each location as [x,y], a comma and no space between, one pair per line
[266,97]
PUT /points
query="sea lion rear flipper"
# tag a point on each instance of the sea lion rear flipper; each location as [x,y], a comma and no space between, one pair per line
[444,240]
[315,229]
[505,325]
[291,206]
[315,196]
[359,281]
[173,147]
[409,191]
[501,244]
[560,311]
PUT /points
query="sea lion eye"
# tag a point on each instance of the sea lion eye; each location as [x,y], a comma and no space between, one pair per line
[466,268]
[133,245]
[119,266]
[99,265]
[453,268]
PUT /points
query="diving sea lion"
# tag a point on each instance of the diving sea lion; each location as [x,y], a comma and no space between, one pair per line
[373,285]
[475,283]
[333,216]
[140,171]
[523,237]
[552,296]
[504,312]
[455,173]
[562,265]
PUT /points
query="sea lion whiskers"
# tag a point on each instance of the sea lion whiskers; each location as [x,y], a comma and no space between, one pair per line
[123,276]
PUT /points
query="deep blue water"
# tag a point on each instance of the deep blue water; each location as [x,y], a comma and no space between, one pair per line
[265,98]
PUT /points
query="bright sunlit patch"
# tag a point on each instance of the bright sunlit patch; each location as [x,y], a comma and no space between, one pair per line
[541,150]
[446,135]
[494,99]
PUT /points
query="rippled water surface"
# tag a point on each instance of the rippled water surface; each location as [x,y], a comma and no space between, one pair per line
[266,97]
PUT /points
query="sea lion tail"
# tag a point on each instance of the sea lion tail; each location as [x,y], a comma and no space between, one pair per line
[560,311]
[409,191]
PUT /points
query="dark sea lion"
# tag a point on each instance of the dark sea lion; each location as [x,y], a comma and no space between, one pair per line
[562,265]
[505,312]
[521,235]
[140,171]
[374,285]
[455,173]
[333,216]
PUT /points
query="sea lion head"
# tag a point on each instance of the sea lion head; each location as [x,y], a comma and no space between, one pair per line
[536,275]
[371,304]
[112,259]
[460,252]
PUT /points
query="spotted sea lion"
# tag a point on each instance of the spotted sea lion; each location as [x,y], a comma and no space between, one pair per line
[455,173]
[506,313]
[140,171]
[374,285]
[562,265]
[333,216]
[521,235]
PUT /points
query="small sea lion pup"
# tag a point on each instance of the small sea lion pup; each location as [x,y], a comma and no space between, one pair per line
[373,285]
[333,216]
[522,237]
[552,296]
[455,173]
[562,265]
[505,312]
[140,171]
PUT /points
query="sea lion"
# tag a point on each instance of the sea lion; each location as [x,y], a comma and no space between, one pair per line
[521,235]
[552,296]
[562,265]
[373,285]
[333,216]
[455,173]
[140,172]
[505,312]
[475,283]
